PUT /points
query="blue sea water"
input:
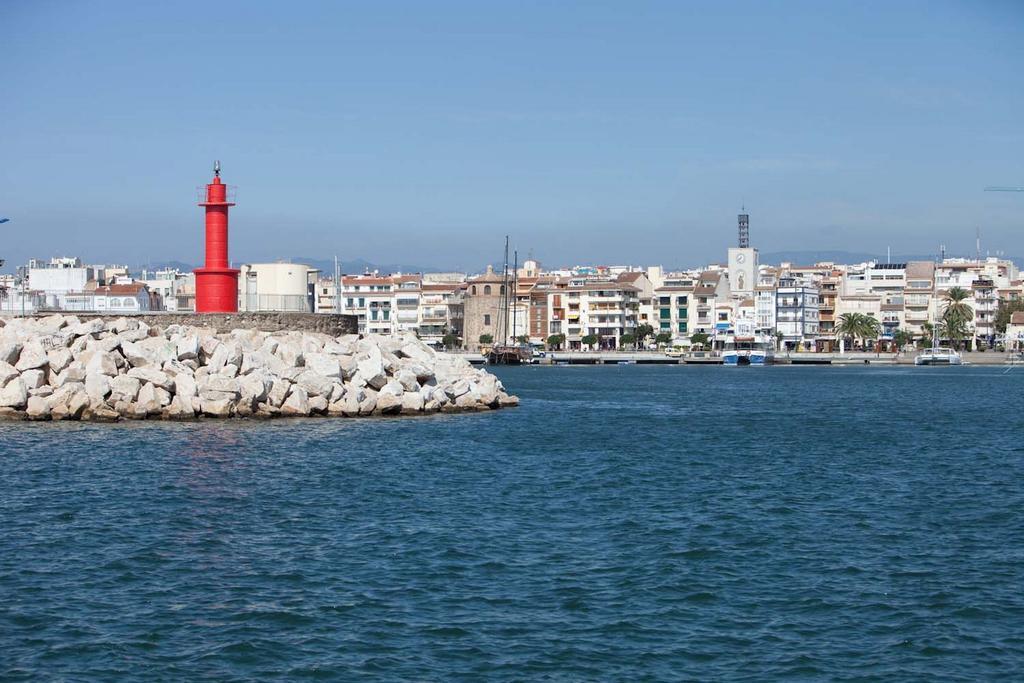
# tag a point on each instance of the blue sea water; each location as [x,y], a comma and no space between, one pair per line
[625,523]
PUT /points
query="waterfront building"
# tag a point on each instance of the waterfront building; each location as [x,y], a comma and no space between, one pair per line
[867,304]
[132,297]
[918,296]
[406,303]
[166,284]
[59,276]
[1015,332]
[284,287]
[369,298]
[605,309]
[675,304]
[440,310]
[483,310]
[710,289]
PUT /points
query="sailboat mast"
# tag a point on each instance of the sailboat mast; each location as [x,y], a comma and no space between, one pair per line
[504,299]
[515,288]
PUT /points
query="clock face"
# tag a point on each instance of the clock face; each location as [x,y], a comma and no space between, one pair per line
[740,258]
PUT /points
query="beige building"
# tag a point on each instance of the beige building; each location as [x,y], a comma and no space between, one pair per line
[483,310]
[1015,332]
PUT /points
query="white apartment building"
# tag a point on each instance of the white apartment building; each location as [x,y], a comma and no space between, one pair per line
[606,310]
[369,298]
[796,313]
[406,303]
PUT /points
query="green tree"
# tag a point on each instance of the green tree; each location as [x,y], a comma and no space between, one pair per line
[1005,310]
[556,341]
[663,338]
[955,330]
[858,326]
[486,339]
[955,305]
[699,339]
[644,331]
[627,339]
[589,340]
[902,338]
[450,340]
[523,339]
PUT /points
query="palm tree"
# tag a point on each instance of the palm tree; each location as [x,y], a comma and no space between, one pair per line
[848,325]
[870,328]
[956,314]
[856,325]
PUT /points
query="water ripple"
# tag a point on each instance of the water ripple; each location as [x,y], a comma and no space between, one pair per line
[636,523]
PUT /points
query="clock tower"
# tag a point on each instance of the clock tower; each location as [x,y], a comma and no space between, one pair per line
[743,262]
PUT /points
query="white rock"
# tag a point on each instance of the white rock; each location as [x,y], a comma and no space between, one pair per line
[253,388]
[97,386]
[9,352]
[388,403]
[278,392]
[7,372]
[297,403]
[148,401]
[38,408]
[315,384]
[408,380]
[14,394]
[323,364]
[187,348]
[58,359]
[152,376]
[124,388]
[318,405]
[101,363]
[217,407]
[33,379]
[32,356]
[412,402]
[179,409]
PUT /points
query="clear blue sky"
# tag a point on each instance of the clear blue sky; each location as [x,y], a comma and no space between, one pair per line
[423,132]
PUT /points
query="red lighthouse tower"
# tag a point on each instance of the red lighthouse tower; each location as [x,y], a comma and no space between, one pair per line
[216,282]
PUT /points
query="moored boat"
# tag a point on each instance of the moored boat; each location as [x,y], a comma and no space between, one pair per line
[755,349]
[939,355]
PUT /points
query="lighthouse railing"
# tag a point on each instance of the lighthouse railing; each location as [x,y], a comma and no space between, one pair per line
[230,193]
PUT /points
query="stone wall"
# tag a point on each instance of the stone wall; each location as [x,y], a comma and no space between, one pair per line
[328,323]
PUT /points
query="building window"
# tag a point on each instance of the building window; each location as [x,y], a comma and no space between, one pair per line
[487,319]
[666,325]
[665,313]
[473,290]
[487,290]
[681,313]
[664,300]
[682,327]
[680,300]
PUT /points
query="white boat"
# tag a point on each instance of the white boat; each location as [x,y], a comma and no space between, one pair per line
[747,347]
[939,355]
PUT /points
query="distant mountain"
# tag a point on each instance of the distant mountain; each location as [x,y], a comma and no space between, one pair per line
[326,266]
[359,266]
[162,265]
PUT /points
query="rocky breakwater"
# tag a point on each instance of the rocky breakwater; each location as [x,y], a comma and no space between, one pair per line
[62,368]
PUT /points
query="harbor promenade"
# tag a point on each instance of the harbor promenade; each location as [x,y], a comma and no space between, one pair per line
[709,358]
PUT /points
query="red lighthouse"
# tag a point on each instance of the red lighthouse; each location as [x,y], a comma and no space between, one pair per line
[216,282]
